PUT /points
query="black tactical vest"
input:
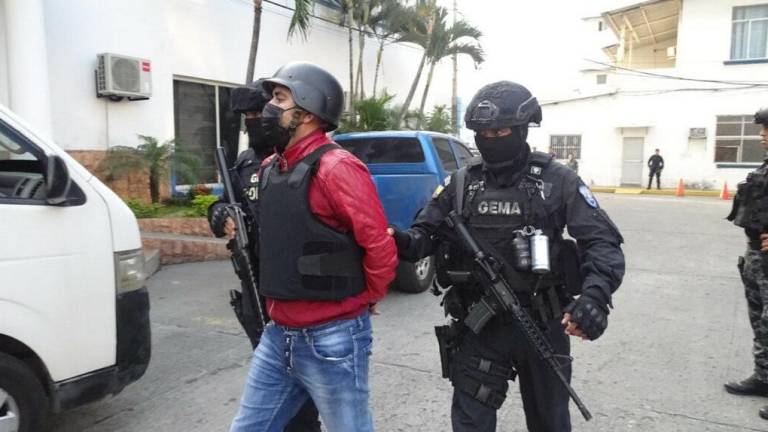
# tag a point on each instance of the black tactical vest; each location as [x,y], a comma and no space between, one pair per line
[750,206]
[496,213]
[302,258]
[245,178]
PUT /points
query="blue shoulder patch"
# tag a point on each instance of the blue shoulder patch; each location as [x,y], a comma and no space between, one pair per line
[588,197]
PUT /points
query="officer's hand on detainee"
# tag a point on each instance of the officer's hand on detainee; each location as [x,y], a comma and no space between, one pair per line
[402,239]
[764,242]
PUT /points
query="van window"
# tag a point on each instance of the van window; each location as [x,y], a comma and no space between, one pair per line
[444,152]
[21,172]
[462,152]
[385,150]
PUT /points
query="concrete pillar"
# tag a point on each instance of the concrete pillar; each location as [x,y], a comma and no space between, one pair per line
[28,90]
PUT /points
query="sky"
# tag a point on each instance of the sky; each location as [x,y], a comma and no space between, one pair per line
[536,43]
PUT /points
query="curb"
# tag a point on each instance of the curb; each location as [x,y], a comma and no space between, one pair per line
[668,192]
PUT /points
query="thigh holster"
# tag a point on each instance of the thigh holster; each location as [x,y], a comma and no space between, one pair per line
[486,390]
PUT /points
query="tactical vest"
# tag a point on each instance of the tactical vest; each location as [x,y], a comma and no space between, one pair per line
[302,258]
[496,214]
[245,178]
[750,206]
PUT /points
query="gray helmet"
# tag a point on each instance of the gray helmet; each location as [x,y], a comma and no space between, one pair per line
[502,104]
[314,90]
[761,117]
[252,97]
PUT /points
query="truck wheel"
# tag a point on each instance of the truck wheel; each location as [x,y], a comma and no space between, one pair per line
[415,277]
[23,403]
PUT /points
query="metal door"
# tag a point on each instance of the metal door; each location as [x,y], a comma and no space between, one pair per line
[632,161]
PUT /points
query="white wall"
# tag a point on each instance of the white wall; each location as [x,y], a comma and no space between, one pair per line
[203,39]
[665,120]
[3,59]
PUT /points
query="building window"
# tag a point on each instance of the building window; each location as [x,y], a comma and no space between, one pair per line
[738,139]
[749,35]
[602,79]
[203,121]
[600,25]
[563,145]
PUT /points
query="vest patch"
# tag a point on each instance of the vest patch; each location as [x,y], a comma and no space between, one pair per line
[588,197]
[506,208]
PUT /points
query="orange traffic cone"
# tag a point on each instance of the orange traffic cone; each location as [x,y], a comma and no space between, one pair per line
[680,189]
[724,194]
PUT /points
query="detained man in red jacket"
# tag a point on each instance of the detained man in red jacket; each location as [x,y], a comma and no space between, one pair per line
[325,261]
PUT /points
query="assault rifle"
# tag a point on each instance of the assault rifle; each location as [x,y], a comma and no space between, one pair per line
[246,302]
[500,297]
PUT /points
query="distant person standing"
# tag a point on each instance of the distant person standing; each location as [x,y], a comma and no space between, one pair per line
[656,164]
[572,164]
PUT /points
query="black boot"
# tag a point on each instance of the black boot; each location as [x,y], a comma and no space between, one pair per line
[750,386]
[763,412]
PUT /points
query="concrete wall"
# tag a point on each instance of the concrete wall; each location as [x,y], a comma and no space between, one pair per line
[3,59]
[202,39]
[664,121]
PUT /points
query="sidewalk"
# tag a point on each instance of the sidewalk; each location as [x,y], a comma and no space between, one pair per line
[672,192]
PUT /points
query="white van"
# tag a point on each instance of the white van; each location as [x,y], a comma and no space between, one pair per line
[74,309]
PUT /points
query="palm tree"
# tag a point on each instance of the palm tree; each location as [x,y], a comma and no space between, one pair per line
[386,24]
[446,41]
[254,41]
[439,120]
[153,159]
[419,31]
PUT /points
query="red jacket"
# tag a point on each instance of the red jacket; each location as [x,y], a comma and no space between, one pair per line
[342,195]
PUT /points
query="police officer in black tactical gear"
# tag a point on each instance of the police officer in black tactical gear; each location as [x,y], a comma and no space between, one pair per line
[510,200]
[249,101]
[750,211]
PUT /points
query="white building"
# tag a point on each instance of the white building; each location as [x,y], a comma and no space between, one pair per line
[197,49]
[683,76]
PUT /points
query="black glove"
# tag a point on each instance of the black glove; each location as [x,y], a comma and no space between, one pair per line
[217,214]
[402,239]
[590,312]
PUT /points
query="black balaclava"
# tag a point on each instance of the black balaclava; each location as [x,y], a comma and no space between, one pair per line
[502,151]
[276,135]
[256,138]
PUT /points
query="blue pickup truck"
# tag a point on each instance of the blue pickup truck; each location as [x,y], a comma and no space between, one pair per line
[407,167]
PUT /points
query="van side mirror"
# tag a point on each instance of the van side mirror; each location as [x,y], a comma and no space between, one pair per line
[57,181]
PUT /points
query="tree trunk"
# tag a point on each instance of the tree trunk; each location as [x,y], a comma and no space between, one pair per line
[350,20]
[426,91]
[378,65]
[415,84]
[360,82]
[254,41]
[154,187]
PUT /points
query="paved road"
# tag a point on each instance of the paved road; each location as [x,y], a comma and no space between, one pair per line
[678,332]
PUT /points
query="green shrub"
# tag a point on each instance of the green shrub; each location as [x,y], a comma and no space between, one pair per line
[141,209]
[201,203]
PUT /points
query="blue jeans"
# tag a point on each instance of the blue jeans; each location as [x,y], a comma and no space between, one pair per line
[328,363]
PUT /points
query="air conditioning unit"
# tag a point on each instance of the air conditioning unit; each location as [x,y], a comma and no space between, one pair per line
[119,76]
[697,133]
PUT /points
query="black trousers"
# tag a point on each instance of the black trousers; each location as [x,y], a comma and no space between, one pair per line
[545,400]
[656,173]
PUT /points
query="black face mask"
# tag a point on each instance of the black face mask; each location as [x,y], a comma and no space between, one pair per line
[500,149]
[256,135]
[276,135]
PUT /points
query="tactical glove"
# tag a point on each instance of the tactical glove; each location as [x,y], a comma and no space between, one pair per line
[217,214]
[402,239]
[590,312]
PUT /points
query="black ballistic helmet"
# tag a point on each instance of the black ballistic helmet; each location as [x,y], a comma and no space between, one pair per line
[252,97]
[502,104]
[313,88]
[761,117]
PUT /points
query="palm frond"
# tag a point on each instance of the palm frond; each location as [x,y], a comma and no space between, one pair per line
[301,18]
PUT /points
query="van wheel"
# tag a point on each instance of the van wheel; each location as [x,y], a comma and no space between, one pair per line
[415,277]
[23,403]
